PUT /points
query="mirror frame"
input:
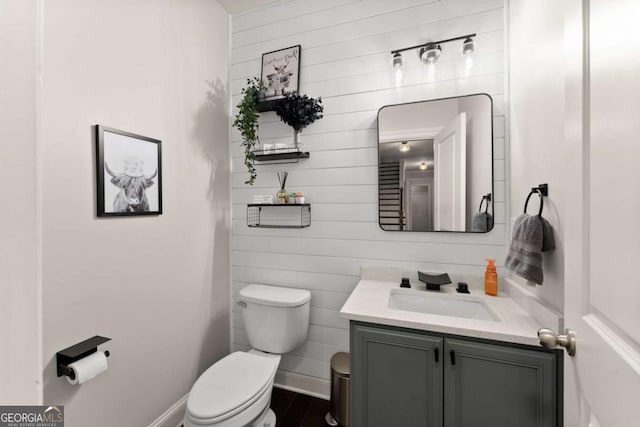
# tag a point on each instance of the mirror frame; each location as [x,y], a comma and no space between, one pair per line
[492,163]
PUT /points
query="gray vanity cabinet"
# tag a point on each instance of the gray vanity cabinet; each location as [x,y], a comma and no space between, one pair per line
[402,377]
[395,378]
[493,385]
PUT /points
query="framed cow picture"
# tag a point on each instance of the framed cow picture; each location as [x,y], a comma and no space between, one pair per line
[281,72]
[129,173]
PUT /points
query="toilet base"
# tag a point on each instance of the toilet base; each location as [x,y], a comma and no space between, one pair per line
[267,420]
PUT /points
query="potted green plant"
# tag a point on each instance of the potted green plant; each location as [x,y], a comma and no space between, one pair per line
[247,121]
[299,111]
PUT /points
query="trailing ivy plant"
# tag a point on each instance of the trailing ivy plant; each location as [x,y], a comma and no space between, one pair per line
[299,111]
[247,121]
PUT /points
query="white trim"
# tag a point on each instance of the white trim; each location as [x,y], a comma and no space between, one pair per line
[412,134]
[172,416]
[303,384]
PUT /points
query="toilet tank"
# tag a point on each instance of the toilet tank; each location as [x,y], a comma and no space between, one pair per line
[276,319]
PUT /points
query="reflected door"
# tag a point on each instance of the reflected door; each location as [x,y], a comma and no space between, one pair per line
[450,162]
[420,211]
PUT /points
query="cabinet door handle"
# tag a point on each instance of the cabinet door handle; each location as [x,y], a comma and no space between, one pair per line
[452,354]
[436,353]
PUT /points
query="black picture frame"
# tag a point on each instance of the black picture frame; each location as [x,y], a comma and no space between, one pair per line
[280,72]
[133,167]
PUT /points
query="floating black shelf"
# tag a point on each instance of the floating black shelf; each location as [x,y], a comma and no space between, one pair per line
[254,215]
[268,105]
[269,155]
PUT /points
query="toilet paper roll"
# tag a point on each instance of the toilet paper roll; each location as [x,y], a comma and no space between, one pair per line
[88,367]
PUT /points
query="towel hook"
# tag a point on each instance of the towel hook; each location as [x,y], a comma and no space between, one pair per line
[486,197]
[543,191]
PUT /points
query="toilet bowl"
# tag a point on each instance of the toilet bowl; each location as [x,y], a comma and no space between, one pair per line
[236,390]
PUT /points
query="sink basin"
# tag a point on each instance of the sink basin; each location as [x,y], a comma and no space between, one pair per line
[467,307]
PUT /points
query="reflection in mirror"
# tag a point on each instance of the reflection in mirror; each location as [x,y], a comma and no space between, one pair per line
[435,165]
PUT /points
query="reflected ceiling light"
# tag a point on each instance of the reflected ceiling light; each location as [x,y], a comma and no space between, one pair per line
[404,147]
[423,166]
[431,51]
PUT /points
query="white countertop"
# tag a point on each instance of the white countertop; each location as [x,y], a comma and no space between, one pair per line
[369,303]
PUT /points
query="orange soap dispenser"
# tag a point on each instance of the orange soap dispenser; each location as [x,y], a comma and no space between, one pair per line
[491,278]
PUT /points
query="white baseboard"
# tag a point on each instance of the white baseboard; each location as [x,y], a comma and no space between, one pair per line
[303,384]
[173,416]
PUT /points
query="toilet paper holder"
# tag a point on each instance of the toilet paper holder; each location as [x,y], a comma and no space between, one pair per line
[76,352]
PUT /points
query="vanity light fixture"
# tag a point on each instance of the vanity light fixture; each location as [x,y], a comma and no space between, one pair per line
[429,54]
[404,147]
[398,63]
[468,46]
[423,166]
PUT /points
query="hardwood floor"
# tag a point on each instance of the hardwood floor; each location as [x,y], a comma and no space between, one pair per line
[298,410]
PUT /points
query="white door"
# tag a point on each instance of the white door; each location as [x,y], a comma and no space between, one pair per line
[420,208]
[602,253]
[450,175]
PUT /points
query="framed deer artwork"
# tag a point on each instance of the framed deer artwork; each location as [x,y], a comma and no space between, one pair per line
[128,173]
[281,72]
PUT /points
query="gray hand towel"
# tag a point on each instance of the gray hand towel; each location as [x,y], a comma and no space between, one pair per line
[548,242]
[482,221]
[531,236]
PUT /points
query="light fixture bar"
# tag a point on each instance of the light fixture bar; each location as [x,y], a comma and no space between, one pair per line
[432,43]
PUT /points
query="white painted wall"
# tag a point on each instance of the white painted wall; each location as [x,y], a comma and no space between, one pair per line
[20,311]
[345,59]
[158,286]
[537,122]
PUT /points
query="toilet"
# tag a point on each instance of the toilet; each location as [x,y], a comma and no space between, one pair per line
[236,390]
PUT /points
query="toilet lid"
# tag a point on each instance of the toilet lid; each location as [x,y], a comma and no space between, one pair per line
[229,383]
[276,296]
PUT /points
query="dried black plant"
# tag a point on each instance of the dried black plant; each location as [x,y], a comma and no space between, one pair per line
[299,111]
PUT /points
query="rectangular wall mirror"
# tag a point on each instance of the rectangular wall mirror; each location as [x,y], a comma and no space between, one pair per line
[435,165]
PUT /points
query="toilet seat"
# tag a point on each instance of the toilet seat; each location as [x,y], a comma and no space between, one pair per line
[230,386]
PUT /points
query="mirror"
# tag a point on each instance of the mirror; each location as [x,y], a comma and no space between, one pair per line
[435,165]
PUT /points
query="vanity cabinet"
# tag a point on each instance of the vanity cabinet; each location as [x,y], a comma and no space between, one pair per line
[405,377]
[395,379]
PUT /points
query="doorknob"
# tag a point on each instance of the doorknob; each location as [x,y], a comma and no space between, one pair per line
[550,340]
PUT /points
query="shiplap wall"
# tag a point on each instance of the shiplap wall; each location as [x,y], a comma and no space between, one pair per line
[345,59]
